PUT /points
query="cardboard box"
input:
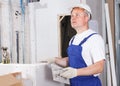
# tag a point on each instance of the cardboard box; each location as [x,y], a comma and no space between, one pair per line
[10,80]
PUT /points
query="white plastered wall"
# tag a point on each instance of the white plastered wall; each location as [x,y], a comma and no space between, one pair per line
[44,27]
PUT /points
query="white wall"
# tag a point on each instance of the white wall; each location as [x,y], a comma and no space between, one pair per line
[45,25]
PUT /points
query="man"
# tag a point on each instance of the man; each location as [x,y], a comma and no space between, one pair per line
[86,51]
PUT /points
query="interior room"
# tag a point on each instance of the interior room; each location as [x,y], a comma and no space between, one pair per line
[36,34]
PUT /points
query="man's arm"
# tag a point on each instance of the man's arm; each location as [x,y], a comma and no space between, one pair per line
[62,61]
[92,69]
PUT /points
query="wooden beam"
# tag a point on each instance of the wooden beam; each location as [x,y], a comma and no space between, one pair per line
[110,44]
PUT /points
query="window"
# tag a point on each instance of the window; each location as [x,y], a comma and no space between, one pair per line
[66,32]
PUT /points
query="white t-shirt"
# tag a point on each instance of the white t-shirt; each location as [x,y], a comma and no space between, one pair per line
[93,49]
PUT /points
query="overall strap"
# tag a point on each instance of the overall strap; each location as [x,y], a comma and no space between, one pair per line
[85,39]
[72,40]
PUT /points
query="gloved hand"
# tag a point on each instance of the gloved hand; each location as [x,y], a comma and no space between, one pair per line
[69,72]
[51,60]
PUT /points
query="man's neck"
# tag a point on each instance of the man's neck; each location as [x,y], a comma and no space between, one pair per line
[82,29]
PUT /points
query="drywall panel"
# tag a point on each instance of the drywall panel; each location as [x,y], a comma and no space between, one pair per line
[44,27]
[32,74]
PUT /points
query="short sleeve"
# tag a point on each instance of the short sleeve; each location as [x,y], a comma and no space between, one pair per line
[97,50]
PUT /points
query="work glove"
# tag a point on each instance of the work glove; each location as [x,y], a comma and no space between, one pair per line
[69,72]
[49,60]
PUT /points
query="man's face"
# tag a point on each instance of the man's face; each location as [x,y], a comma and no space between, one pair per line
[78,18]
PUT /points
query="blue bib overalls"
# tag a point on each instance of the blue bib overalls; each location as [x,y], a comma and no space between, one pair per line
[76,61]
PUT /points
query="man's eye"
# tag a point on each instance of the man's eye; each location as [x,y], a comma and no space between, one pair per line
[77,15]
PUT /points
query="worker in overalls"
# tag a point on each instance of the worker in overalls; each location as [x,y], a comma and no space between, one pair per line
[86,51]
